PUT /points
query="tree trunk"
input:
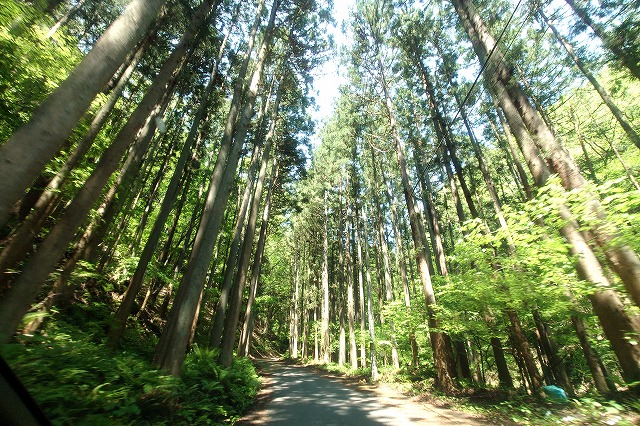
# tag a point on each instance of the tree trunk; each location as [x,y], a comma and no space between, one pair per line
[610,42]
[324,329]
[369,301]
[29,149]
[511,150]
[615,111]
[621,258]
[353,348]
[597,373]
[217,328]
[247,329]
[401,263]
[443,135]
[580,136]
[295,317]
[432,214]
[550,348]
[501,364]
[606,302]
[442,354]
[384,251]
[65,18]
[53,247]
[171,348]
[521,347]
[21,240]
[170,196]
[361,298]
[231,320]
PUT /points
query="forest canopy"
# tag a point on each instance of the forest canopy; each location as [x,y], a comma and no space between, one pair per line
[467,218]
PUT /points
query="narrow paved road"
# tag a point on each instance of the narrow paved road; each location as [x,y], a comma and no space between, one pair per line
[296,396]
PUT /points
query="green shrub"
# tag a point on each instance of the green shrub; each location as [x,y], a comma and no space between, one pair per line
[77,381]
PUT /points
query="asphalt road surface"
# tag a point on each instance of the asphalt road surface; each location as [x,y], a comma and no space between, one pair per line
[297,396]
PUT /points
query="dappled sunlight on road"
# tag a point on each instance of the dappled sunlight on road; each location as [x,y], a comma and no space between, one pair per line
[295,395]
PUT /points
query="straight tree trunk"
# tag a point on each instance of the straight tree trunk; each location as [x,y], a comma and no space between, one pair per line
[351,313]
[21,240]
[29,149]
[430,208]
[369,302]
[361,298]
[171,348]
[65,18]
[521,347]
[605,301]
[442,354]
[235,303]
[401,263]
[621,258]
[504,376]
[615,111]
[170,196]
[215,338]
[603,385]
[247,329]
[295,320]
[580,136]
[384,251]
[36,271]
[324,329]
[231,320]
[443,134]
[609,41]
[550,348]
[512,149]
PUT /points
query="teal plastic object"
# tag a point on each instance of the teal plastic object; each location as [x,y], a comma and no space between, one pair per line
[555,392]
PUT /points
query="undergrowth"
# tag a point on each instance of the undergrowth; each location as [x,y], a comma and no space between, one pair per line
[78,381]
[498,406]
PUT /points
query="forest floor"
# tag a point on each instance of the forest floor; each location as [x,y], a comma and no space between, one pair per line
[306,395]
[299,395]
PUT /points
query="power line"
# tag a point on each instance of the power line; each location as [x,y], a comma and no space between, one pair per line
[484,65]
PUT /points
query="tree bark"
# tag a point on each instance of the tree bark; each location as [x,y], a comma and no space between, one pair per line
[247,329]
[615,111]
[610,42]
[324,328]
[605,301]
[235,303]
[170,196]
[504,376]
[21,240]
[29,149]
[442,354]
[550,348]
[369,303]
[171,348]
[602,384]
[353,348]
[217,328]
[65,18]
[621,258]
[53,247]
[384,252]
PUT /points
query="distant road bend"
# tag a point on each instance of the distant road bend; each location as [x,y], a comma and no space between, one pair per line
[296,396]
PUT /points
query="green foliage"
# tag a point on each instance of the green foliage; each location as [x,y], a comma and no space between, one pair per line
[31,65]
[221,393]
[528,410]
[77,381]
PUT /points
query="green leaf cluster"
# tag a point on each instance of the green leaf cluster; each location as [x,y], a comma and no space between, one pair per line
[76,381]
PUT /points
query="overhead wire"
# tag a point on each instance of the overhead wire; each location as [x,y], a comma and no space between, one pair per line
[486,61]
[484,65]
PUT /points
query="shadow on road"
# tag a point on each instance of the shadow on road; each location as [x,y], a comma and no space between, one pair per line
[294,395]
